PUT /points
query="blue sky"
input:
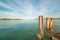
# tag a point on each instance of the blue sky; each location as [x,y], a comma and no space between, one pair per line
[29,9]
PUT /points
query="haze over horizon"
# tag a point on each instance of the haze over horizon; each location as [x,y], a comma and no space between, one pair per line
[29,9]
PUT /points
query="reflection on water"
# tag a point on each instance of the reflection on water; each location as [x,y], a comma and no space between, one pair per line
[18,29]
[54,32]
[22,29]
[56,26]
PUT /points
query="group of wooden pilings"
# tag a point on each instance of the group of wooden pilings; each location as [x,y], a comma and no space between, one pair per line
[49,24]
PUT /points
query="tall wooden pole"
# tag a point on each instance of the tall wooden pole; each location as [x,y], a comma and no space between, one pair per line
[51,23]
[48,23]
[41,29]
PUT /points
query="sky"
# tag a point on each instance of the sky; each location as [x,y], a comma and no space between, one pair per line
[29,9]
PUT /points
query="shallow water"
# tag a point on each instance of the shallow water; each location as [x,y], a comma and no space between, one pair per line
[22,29]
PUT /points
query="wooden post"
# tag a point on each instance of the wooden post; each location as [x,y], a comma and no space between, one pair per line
[41,30]
[54,38]
[48,23]
[51,23]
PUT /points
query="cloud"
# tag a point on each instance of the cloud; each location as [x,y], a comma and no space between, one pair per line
[31,8]
[4,5]
[9,14]
[43,8]
[26,6]
[56,15]
[48,7]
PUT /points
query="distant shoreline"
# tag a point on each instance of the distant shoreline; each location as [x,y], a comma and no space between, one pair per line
[11,19]
[26,19]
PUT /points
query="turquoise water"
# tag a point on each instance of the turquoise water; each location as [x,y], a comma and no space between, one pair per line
[18,29]
[56,26]
[22,29]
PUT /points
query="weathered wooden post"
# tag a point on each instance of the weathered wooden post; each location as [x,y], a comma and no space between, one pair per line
[51,23]
[54,38]
[41,30]
[48,23]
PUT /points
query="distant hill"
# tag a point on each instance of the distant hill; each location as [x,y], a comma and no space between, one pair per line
[10,19]
[23,19]
[56,18]
[45,18]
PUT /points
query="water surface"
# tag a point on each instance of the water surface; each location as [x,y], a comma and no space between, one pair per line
[22,29]
[18,29]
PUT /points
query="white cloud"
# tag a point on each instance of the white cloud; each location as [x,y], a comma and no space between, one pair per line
[26,7]
[57,15]
[4,5]
[9,14]
[43,11]
[44,7]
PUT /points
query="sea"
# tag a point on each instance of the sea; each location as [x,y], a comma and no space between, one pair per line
[23,29]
